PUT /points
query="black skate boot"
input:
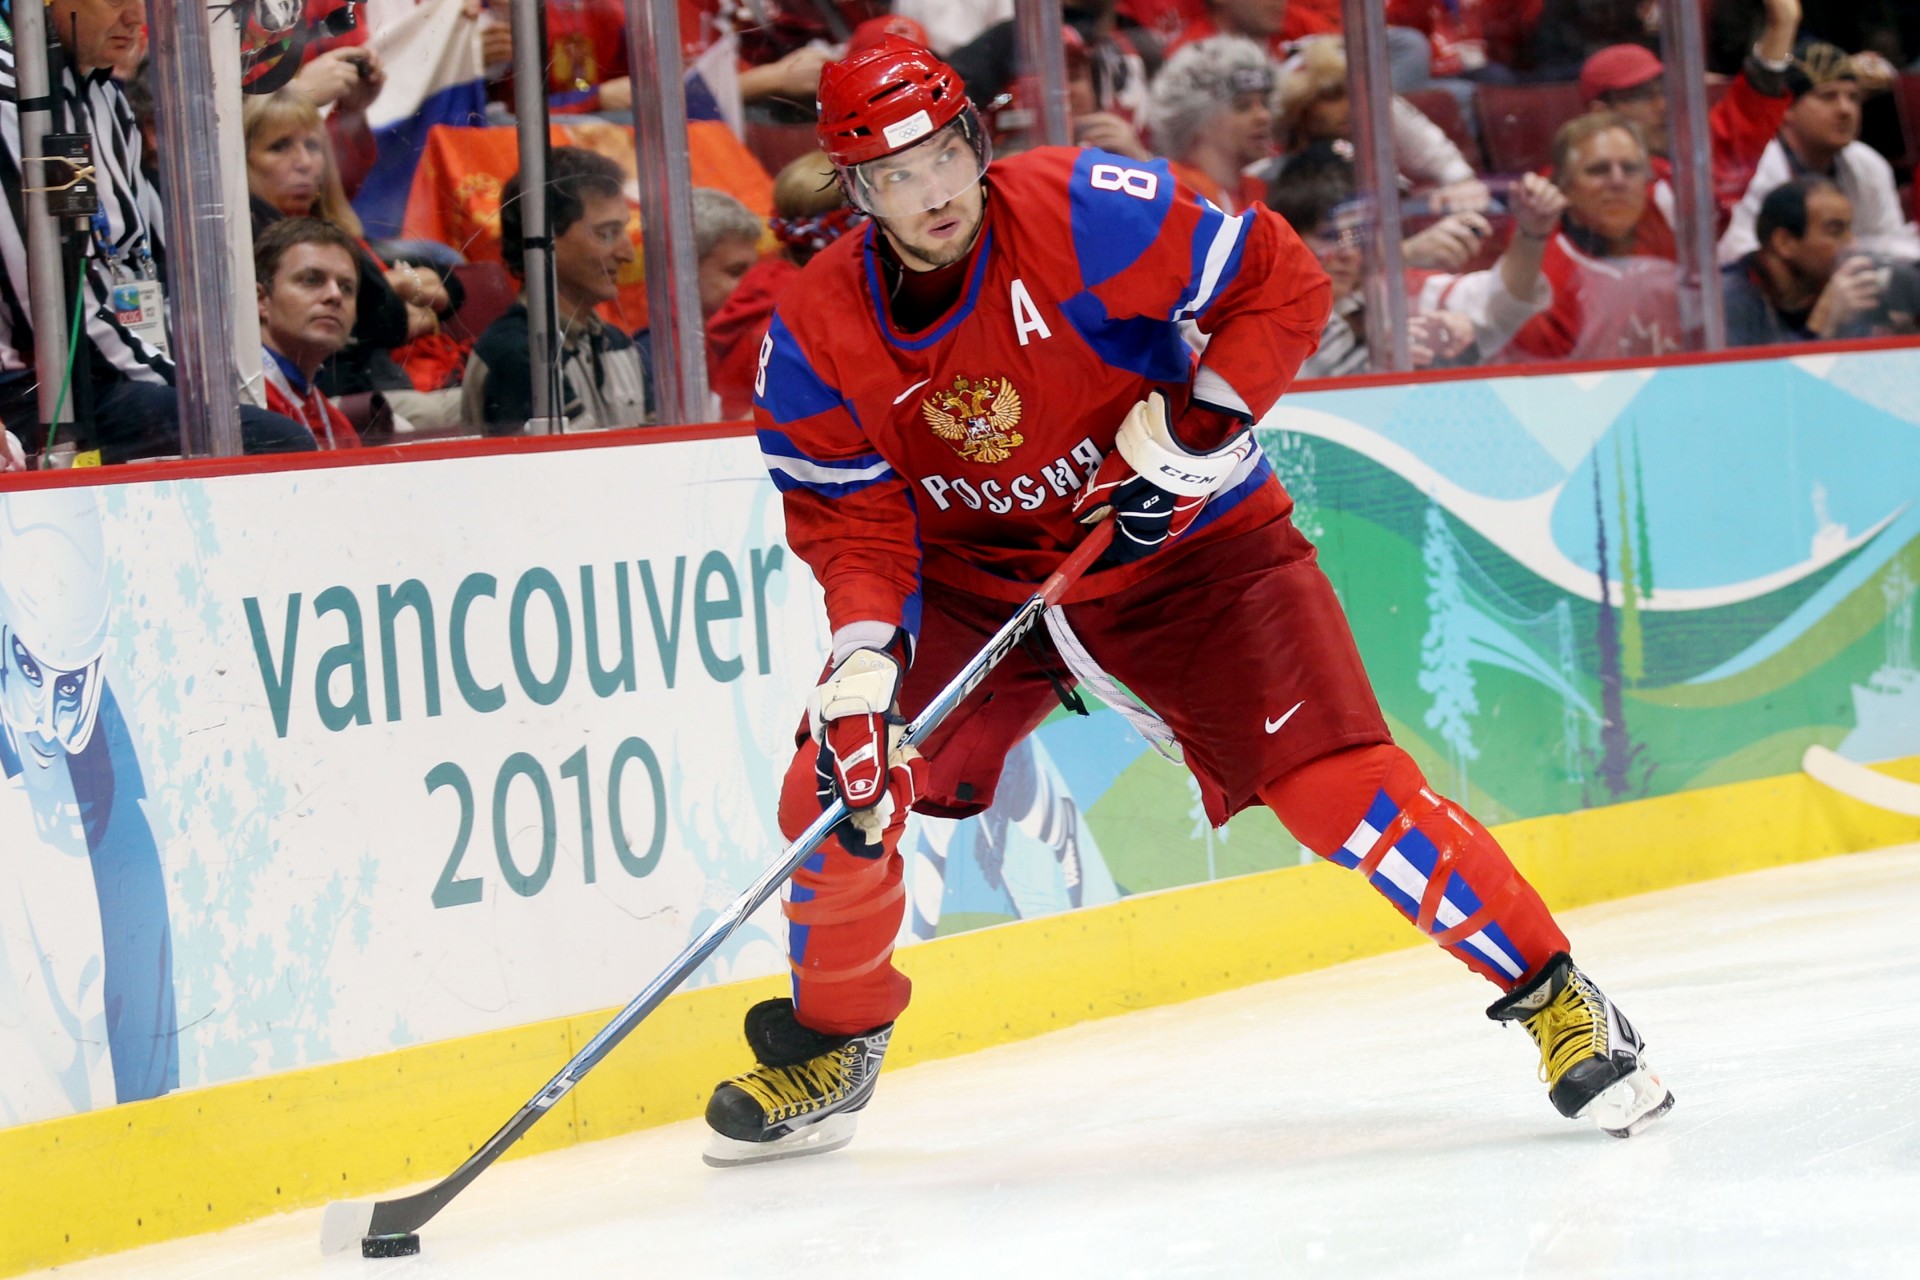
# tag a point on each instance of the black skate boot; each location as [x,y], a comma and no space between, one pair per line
[802,1097]
[1590,1056]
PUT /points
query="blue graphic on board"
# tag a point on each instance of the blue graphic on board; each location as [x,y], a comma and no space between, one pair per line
[65,744]
[1030,854]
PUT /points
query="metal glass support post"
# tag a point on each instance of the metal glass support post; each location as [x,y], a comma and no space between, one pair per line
[44,276]
[1042,57]
[1683,48]
[223,31]
[674,321]
[1377,179]
[199,284]
[530,115]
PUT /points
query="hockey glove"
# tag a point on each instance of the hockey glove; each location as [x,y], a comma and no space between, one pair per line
[855,721]
[1153,487]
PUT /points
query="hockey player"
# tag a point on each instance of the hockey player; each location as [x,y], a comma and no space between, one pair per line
[944,399]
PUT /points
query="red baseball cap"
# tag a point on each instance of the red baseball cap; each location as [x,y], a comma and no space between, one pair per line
[1616,68]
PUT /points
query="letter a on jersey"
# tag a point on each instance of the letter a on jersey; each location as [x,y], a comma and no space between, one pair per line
[1026,316]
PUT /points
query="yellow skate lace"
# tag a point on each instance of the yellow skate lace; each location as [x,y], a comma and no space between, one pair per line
[784,1092]
[1570,1030]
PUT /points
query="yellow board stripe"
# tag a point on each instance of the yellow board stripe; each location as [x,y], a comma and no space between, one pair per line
[209,1158]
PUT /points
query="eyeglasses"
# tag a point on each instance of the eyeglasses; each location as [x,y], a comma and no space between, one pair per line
[1606,168]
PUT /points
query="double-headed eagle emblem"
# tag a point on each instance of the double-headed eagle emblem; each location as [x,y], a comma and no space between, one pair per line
[977,418]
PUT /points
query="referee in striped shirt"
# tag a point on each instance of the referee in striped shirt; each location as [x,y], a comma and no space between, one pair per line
[135,410]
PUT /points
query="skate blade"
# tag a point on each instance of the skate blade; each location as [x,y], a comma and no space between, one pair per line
[830,1134]
[1632,1104]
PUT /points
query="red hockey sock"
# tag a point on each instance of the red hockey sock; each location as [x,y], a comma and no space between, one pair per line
[843,913]
[1369,808]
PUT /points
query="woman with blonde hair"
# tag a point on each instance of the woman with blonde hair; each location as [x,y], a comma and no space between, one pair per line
[810,212]
[291,172]
[1311,105]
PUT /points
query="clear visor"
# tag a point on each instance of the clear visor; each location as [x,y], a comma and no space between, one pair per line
[926,175]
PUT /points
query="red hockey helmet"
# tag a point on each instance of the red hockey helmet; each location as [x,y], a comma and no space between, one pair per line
[889,98]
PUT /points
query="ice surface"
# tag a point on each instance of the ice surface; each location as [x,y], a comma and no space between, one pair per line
[1362,1121]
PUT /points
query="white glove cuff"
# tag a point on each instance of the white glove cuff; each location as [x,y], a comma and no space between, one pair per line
[866,684]
[1146,441]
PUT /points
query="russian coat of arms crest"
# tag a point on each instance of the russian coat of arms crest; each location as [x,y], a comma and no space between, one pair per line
[978,418]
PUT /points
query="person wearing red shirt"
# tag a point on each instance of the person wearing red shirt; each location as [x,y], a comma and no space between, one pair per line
[1631,80]
[809,213]
[945,401]
[1615,297]
[308,276]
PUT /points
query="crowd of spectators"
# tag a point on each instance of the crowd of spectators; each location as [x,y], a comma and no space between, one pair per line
[1534,179]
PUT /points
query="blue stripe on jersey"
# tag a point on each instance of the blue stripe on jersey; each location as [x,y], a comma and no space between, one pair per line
[792,468]
[1218,245]
[1149,347]
[911,607]
[1112,225]
[876,294]
[1218,506]
[789,389]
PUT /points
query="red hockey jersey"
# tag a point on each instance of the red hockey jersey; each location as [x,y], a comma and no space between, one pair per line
[956,452]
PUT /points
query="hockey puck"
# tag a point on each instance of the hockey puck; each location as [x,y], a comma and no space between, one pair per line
[400,1246]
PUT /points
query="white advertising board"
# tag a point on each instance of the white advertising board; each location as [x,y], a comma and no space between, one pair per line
[312,765]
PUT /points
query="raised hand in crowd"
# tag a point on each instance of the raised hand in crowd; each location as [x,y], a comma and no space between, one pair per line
[1853,291]
[349,78]
[1873,72]
[1437,336]
[1447,245]
[1781,29]
[496,34]
[1536,205]
[421,288]
[794,78]
[1109,132]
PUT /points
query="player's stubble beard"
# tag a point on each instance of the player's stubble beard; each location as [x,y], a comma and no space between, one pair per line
[928,254]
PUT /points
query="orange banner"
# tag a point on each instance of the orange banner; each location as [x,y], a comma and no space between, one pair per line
[456,190]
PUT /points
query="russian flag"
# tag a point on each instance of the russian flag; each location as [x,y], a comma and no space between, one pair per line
[431,51]
[713,85]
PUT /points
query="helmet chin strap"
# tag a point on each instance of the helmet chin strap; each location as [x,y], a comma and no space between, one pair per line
[897,261]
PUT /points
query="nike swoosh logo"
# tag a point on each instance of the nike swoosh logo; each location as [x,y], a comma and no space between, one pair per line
[1273,726]
[910,390]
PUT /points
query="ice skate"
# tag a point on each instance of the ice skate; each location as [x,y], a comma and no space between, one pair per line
[801,1099]
[1590,1056]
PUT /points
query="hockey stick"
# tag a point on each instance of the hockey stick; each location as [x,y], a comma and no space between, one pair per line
[1857,782]
[385,1227]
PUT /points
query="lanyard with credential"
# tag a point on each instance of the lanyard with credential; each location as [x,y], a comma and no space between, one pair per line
[138,301]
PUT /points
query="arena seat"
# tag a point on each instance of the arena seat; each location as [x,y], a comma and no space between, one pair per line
[1906,100]
[1518,121]
[490,290]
